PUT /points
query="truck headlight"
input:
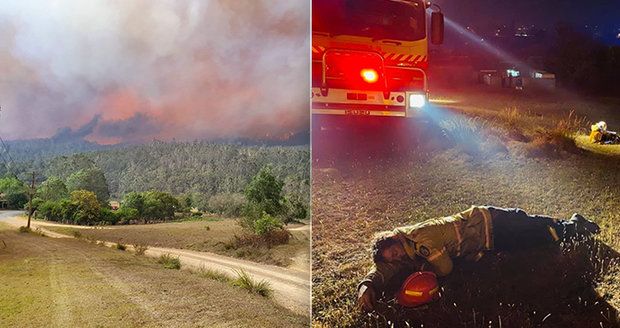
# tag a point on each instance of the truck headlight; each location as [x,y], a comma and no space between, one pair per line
[417,100]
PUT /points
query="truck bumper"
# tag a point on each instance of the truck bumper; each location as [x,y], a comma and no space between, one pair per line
[362,103]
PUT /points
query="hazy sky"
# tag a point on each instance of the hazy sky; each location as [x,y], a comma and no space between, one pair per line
[118,70]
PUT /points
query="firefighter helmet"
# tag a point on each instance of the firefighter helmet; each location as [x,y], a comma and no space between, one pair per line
[418,289]
[600,126]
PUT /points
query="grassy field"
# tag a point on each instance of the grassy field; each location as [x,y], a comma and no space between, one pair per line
[448,167]
[213,235]
[526,114]
[50,282]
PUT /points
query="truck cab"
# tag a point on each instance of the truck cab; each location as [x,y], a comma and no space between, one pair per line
[369,57]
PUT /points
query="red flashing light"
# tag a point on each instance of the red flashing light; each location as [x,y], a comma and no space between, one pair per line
[369,75]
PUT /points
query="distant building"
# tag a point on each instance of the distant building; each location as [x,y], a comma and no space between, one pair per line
[508,75]
[114,205]
[541,79]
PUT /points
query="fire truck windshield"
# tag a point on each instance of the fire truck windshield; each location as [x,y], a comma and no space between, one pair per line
[378,19]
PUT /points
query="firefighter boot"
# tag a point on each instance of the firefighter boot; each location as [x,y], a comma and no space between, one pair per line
[583,225]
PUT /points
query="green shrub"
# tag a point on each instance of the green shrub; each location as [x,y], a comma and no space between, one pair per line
[53,189]
[92,180]
[107,216]
[159,205]
[15,192]
[125,215]
[267,224]
[243,280]
[120,247]
[86,207]
[170,262]
[265,192]
[133,201]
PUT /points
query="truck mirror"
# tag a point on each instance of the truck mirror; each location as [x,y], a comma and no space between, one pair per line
[437,27]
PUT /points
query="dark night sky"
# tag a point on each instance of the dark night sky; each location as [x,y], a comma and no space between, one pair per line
[543,13]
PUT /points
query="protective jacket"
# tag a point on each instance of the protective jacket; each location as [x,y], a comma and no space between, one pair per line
[467,234]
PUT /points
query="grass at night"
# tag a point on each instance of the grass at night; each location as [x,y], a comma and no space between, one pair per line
[496,149]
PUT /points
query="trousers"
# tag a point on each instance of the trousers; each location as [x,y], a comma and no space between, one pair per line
[514,229]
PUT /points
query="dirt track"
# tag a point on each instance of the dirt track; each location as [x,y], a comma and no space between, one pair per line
[291,287]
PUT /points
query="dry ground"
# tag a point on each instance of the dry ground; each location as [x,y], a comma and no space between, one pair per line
[364,182]
[528,112]
[207,236]
[68,283]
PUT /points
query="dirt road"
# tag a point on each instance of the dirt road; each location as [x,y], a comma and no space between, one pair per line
[291,287]
[64,282]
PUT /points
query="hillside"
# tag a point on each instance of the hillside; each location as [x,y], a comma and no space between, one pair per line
[201,168]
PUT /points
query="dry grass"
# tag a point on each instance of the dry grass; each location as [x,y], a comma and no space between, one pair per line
[214,275]
[356,199]
[269,240]
[558,138]
[218,238]
[583,141]
[244,281]
[69,283]
[140,249]
[549,125]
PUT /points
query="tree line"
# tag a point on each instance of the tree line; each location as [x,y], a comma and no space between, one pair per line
[156,180]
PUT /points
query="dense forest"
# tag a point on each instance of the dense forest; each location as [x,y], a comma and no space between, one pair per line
[38,150]
[200,169]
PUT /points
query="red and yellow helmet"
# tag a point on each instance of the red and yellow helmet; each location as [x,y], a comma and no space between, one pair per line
[418,289]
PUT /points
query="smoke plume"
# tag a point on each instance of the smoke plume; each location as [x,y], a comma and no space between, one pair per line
[125,71]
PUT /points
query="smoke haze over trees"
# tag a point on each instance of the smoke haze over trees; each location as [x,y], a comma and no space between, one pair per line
[134,71]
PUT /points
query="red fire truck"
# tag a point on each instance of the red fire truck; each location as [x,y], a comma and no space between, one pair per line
[369,57]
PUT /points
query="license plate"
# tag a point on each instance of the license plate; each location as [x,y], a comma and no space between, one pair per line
[357,112]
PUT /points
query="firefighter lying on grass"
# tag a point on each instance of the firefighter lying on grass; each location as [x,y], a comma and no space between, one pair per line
[469,234]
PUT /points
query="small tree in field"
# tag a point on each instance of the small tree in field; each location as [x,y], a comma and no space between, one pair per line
[134,200]
[15,192]
[53,189]
[264,197]
[87,209]
[159,205]
[92,180]
[267,224]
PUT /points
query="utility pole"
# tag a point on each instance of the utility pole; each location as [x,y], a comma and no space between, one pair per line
[30,197]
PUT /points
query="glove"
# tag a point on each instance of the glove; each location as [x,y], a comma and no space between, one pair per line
[366,298]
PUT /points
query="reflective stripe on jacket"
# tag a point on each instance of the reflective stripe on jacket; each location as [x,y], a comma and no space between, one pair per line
[466,234]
